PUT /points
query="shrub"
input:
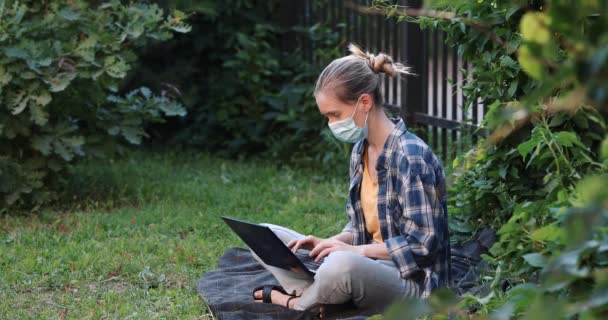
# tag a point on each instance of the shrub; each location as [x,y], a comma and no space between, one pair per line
[60,66]
[538,179]
[246,97]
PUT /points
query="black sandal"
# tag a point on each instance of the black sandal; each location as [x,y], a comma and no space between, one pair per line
[267,290]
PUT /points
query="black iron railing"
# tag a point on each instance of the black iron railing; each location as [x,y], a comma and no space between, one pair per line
[432,102]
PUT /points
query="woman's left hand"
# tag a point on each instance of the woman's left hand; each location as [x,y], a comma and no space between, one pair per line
[328,246]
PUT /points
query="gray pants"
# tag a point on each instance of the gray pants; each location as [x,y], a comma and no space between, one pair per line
[343,276]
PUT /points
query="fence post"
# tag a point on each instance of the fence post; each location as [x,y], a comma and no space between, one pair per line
[413,94]
[289,18]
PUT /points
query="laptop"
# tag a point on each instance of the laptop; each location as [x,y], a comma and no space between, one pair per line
[269,247]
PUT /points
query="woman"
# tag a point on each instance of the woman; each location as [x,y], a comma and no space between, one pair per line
[396,243]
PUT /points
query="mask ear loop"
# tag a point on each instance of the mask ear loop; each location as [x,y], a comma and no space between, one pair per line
[366,114]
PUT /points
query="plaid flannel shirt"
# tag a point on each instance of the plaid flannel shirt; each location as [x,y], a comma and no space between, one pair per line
[412,208]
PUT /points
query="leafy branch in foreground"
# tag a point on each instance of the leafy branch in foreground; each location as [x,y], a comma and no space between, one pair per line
[539,179]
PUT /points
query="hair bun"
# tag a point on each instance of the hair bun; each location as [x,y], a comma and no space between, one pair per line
[382,63]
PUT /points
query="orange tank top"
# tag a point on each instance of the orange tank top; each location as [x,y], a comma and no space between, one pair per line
[369,202]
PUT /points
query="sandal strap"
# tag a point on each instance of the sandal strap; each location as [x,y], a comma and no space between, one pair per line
[287,303]
[266,294]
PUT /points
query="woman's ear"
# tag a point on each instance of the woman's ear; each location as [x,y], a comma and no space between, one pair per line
[367,102]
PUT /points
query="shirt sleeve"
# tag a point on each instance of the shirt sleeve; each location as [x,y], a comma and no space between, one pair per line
[417,243]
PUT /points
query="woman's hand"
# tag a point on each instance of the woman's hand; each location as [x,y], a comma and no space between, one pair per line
[308,243]
[328,246]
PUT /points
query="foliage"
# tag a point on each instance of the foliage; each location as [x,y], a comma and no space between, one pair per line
[538,178]
[573,279]
[537,163]
[222,69]
[58,62]
[246,95]
[297,133]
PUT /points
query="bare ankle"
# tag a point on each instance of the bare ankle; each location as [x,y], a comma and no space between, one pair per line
[291,304]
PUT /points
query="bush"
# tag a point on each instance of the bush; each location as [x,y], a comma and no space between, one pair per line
[245,96]
[541,67]
[61,64]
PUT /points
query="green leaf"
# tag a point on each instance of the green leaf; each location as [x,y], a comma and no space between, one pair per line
[42,98]
[512,10]
[43,144]
[580,119]
[114,130]
[512,89]
[507,61]
[525,148]
[567,267]
[62,151]
[604,149]
[86,48]
[461,227]
[18,101]
[61,81]
[5,77]
[456,162]
[547,233]
[535,259]
[38,115]
[73,142]
[533,27]
[69,14]
[567,139]
[502,171]
[551,185]
[181,28]
[530,63]
[544,307]
[489,259]
[557,120]
[145,91]
[16,52]
[133,135]
[172,108]
[116,67]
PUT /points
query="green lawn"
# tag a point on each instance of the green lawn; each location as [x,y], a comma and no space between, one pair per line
[141,231]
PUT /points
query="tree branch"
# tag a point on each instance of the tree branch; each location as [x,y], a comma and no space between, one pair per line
[435,14]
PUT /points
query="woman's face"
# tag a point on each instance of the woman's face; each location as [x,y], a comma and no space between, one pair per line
[334,109]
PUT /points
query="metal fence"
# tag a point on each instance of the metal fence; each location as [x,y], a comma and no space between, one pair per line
[432,103]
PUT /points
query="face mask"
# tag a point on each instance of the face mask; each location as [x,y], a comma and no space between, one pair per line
[346,130]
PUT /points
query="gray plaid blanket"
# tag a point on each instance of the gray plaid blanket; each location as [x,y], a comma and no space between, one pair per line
[227,289]
[227,292]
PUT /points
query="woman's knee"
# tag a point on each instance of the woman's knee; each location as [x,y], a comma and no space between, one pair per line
[339,264]
[270,225]
[285,234]
[277,229]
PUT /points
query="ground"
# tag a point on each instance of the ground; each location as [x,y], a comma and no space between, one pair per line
[139,232]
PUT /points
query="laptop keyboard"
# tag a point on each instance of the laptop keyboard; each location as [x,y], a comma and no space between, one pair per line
[308,261]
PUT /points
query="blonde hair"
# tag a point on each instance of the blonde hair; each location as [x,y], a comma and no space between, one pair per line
[358,73]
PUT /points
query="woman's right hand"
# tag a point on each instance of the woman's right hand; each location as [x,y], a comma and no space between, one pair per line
[308,243]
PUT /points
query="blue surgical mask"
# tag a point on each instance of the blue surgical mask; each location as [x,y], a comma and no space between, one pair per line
[347,130]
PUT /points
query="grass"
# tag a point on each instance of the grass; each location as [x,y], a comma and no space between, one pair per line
[139,232]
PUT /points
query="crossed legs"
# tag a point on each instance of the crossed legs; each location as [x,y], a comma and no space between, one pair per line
[343,276]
